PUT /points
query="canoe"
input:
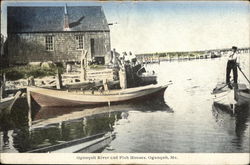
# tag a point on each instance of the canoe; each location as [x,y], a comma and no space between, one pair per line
[7,103]
[243,96]
[228,97]
[63,98]
[88,144]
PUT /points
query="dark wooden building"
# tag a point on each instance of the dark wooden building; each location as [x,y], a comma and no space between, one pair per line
[58,34]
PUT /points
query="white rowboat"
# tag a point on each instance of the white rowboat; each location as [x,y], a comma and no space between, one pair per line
[62,98]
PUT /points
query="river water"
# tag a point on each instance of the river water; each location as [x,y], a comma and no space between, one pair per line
[184,121]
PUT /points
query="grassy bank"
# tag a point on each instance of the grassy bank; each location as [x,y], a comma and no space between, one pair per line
[19,72]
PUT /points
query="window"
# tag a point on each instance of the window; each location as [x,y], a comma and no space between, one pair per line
[79,41]
[49,43]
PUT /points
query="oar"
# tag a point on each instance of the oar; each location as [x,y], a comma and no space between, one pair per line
[217,89]
[243,74]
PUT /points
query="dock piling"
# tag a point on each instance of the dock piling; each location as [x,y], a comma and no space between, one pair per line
[2,87]
[58,80]
[29,109]
[123,79]
[83,65]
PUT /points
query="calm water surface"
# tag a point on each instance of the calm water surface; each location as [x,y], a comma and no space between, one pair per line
[185,120]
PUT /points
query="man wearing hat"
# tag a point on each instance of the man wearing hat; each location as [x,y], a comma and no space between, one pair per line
[232,65]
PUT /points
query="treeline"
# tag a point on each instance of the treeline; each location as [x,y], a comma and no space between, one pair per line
[171,54]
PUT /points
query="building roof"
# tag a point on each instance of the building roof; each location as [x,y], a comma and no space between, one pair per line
[51,19]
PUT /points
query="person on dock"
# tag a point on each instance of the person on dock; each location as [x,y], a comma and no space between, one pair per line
[126,58]
[132,58]
[232,65]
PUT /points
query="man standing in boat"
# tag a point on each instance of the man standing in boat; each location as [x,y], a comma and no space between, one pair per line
[232,65]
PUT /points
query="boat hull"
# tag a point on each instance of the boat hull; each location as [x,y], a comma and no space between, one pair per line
[5,103]
[227,97]
[54,98]
[88,144]
[243,98]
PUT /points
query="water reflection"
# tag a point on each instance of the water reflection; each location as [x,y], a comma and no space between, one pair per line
[242,117]
[235,124]
[52,126]
[64,131]
[49,115]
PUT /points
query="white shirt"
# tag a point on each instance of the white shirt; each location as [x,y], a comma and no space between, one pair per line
[233,56]
[126,58]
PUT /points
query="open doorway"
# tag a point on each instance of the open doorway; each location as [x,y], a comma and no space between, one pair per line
[92,47]
[100,60]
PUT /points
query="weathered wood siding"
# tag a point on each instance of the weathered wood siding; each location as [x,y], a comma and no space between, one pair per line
[30,47]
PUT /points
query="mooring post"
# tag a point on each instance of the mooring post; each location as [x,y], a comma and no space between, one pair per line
[1,93]
[29,109]
[68,67]
[84,125]
[105,84]
[82,71]
[83,65]
[31,81]
[60,128]
[109,103]
[2,90]
[123,78]
[58,80]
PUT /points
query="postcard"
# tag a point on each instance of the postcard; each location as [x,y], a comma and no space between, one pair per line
[124,82]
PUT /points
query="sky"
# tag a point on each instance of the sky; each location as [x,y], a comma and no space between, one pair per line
[148,27]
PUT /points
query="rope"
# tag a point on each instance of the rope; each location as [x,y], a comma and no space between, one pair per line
[243,74]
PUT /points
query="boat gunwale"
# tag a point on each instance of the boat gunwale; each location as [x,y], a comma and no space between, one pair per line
[108,98]
[105,93]
[54,148]
[83,99]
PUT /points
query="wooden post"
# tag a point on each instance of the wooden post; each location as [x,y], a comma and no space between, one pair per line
[58,80]
[2,90]
[29,110]
[83,66]
[84,125]
[105,84]
[123,78]
[1,93]
[82,70]
[60,128]
[31,81]
[68,67]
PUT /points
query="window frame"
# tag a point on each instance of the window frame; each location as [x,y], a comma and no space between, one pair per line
[79,42]
[49,43]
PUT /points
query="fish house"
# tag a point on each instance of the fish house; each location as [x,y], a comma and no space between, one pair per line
[58,34]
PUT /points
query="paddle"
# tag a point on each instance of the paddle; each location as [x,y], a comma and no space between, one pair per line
[243,74]
[217,89]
